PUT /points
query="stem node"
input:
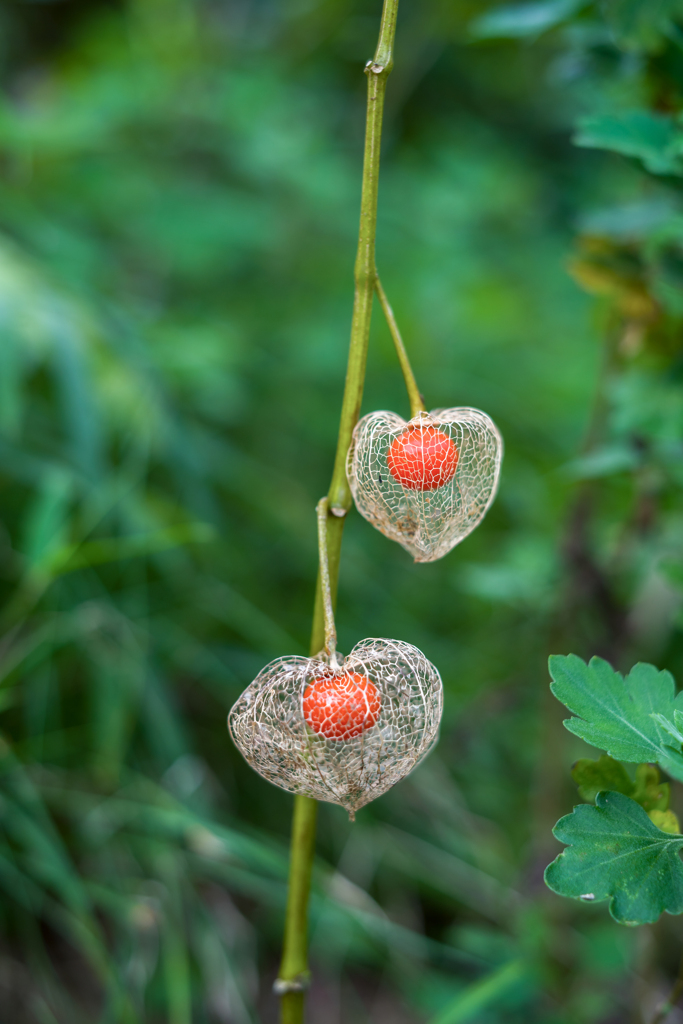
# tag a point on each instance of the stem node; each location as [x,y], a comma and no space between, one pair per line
[302,982]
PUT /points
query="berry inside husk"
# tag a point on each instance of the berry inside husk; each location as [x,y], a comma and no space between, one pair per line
[422,458]
[341,707]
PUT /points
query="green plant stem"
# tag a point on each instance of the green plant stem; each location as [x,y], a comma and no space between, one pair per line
[365,276]
[294,968]
[377,71]
[416,400]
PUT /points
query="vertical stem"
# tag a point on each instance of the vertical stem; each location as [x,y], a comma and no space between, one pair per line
[294,975]
[414,396]
[377,70]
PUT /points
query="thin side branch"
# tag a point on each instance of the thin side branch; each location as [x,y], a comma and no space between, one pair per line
[414,396]
[330,628]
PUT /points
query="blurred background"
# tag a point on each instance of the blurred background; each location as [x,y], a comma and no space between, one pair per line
[179,196]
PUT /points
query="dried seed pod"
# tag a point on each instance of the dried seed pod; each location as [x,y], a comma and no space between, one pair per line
[343,732]
[426,483]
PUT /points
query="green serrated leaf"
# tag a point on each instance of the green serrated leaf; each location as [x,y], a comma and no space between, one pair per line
[616,714]
[655,139]
[616,853]
[592,777]
[650,792]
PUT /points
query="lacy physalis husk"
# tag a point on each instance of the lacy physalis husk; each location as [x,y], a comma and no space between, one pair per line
[344,732]
[426,483]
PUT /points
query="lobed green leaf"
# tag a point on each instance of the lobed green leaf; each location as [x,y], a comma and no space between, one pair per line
[616,853]
[620,715]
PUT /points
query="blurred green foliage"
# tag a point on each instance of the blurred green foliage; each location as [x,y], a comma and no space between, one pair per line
[179,187]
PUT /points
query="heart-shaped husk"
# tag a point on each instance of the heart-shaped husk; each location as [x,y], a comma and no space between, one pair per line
[268,726]
[426,522]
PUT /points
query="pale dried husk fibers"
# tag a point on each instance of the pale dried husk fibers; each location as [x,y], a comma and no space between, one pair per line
[427,523]
[268,726]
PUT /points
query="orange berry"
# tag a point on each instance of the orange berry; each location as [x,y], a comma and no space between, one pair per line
[341,707]
[422,458]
